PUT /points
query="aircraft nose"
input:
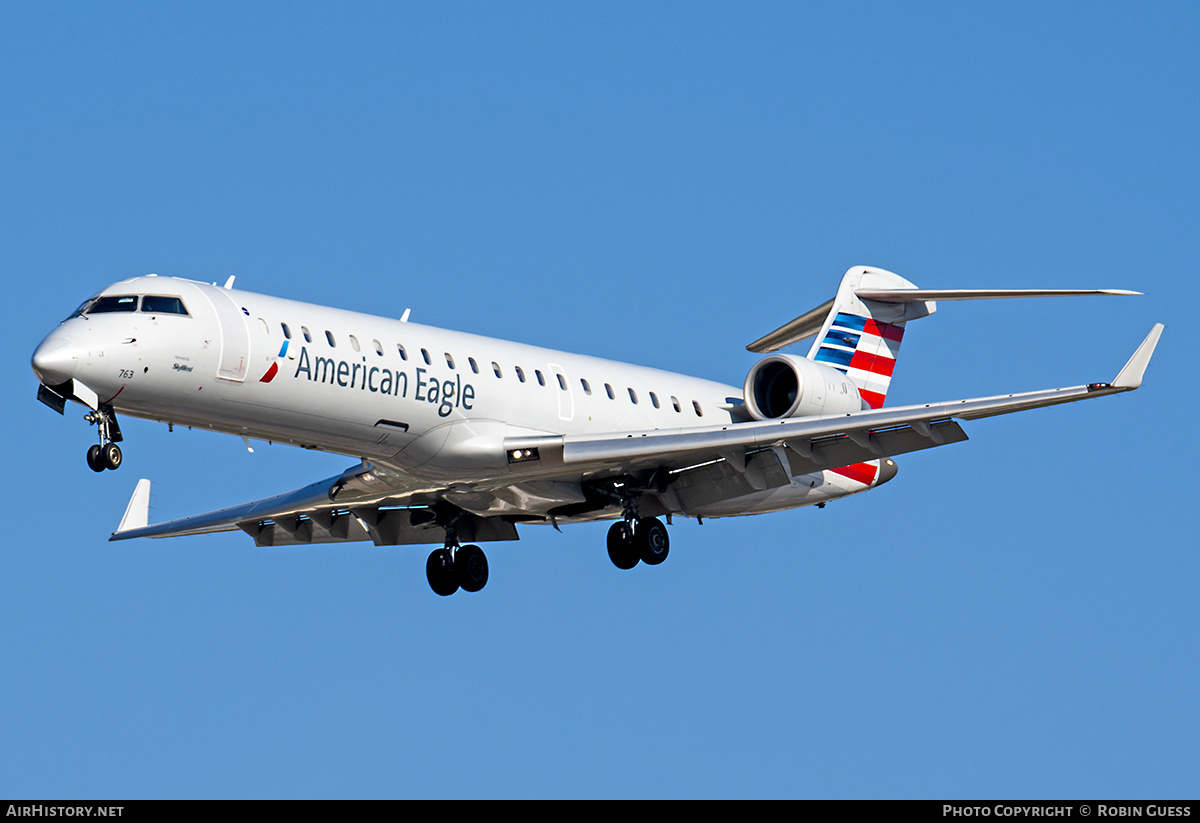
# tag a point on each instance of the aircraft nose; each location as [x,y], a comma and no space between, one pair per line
[56,359]
[887,470]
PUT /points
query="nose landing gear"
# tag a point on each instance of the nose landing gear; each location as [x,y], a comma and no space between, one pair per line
[106,454]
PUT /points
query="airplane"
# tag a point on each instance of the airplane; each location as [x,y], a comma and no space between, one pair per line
[461,438]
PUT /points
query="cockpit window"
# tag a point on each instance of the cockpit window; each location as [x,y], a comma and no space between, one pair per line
[83,307]
[158,304]
[111,303]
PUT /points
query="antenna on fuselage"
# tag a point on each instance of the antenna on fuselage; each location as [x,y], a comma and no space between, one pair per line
[229,282]
[404,317]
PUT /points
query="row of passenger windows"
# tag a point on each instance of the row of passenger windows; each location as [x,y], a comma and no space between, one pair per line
[496,370]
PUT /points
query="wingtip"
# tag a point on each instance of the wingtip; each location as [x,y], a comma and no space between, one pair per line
[137,513]
[1130,377]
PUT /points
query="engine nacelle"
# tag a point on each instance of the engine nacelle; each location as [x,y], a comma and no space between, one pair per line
[783,385]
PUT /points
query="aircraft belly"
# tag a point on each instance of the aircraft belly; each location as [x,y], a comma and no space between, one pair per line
[536,497]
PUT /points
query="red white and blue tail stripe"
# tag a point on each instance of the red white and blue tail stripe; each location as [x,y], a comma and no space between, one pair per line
[861,334]
[864,350]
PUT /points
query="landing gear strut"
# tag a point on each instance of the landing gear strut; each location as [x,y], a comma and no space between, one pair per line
[455,567]
[106,454]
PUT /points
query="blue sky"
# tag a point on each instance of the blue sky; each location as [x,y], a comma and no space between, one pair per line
[1015,616]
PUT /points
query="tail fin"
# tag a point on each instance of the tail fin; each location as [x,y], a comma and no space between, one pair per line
[861,337]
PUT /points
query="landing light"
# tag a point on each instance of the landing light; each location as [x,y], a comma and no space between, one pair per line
[522,455]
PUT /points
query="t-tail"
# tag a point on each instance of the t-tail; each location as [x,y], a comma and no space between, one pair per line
[859,331]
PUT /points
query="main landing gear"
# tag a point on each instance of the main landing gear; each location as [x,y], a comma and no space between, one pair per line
[631,540]
[106,454]
[457,567]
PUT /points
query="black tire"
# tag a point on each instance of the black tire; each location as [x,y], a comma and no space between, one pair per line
[471,568]
[621,550]
[652,541]
[95,459]
[439,570]
[112,456]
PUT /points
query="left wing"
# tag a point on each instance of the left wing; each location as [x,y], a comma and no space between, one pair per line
[823,442]
[390,507]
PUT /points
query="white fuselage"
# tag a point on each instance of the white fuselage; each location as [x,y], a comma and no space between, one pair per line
[439,404]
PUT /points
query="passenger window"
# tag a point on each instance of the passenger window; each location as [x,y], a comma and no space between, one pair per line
[425,357]
[675,403]
[520,373]
[158,304]
[496,368]
[354,343]
[329,338]
[587,389]
[696,406]
[540,377]
[474,365]
[122,303]
[286,331]
[562,382]
[449,360]
[609,391]
[378,347]
[266,329]
[633,396]
[654,400]
[402,352]
[307,334]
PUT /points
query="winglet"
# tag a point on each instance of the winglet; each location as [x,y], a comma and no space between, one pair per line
[137,513]
[1131,376]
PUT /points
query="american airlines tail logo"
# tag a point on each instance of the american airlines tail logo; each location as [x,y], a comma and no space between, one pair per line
[448,394]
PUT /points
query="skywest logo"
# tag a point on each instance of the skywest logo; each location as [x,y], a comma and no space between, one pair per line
[448,394]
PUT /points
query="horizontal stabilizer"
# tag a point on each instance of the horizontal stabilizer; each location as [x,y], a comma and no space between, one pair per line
[922,295]
[812,322]
[806,325]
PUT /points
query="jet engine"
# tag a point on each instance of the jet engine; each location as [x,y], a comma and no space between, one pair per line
[784,385]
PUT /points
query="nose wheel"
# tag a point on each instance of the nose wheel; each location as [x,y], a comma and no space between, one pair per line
[104,457]
[106,454]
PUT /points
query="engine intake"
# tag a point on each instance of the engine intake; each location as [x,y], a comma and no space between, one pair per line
[783,385]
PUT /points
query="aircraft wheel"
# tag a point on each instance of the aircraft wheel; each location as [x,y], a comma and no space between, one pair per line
[471,567]
[621,550]
[95,459]
[439,569]
[652,541]
[112,456]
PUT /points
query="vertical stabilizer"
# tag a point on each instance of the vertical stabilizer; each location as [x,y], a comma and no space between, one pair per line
[861,338]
